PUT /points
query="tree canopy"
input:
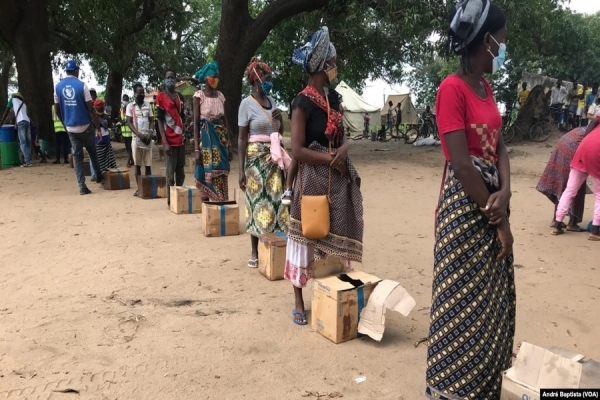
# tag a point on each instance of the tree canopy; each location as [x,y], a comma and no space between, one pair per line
[127,41]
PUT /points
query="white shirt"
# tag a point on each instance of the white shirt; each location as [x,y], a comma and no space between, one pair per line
[87,97]
[142,115]
[594,110]
[22,115]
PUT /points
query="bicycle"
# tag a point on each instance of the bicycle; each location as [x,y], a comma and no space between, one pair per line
[427,128]
[539,131]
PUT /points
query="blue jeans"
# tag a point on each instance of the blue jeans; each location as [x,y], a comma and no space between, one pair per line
[24,130]
[79,141]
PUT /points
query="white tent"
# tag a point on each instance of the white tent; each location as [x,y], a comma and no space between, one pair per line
[355,108]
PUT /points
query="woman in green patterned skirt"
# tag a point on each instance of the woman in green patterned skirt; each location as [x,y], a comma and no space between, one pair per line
[263,160]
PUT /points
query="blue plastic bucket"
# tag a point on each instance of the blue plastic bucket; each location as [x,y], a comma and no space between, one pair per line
[8,134]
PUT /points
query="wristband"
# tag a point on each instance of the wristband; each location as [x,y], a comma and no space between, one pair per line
[196,151]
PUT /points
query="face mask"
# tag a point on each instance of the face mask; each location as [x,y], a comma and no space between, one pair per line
[332,74]
[140,98]
[170,82]
[498,60]
[212,82]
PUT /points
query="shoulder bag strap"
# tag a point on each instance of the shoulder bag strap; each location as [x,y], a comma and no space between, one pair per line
[269,117]
[329,169]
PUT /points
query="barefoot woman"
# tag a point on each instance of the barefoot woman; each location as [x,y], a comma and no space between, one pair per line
[473,305]
[321,151]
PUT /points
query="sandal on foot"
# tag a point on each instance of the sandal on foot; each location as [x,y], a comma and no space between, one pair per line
[286,199]
[575,229]
[557,231]
[300,314]
[136,194]
[253,263]
[594,238]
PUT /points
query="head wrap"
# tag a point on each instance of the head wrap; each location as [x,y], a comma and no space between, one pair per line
[314,54]
[467,22]
[99,105]
[210,69]
[257,69]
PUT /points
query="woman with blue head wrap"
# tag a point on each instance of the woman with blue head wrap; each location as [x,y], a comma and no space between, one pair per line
[473,303]
[211,139]
[320,152]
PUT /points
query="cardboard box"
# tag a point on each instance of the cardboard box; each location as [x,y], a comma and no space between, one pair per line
[70,157]
[537,368]
[387,295]
[87,170]
[152,187]
[338,302]
[116,179]
[271,255]
[221,218]
[329,266]
[186,200]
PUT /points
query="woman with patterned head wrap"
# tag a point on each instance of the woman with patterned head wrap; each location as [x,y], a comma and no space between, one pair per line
[473,305]
[211,137]
[263,160]
[106,156]
[321,150]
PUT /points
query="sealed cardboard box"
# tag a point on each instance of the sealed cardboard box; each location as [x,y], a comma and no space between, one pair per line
[329,266]
[221,218]
[71,162]
[338,302]
[116,179]
[537,368]
[87,170]
[271,255]
[186,200]
[152,186]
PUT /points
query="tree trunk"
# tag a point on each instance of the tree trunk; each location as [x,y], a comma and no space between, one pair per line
[240,36]
[114,88]
[4,78]
[24,27]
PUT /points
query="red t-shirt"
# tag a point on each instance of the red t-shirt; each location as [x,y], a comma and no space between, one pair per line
[170,111]
[459,108]
[587,156]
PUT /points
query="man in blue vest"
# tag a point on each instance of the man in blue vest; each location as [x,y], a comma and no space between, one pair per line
[75,109]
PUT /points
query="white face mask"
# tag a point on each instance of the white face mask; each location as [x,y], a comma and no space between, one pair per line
[498,60]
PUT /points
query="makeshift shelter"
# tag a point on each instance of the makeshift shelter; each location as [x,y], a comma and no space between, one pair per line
[409,112]
[355,108]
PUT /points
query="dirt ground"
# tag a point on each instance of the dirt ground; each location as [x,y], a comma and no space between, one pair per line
[118,298]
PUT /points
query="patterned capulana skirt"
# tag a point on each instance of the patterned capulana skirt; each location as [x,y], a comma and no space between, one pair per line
[264,189]
[106,156]
[553,181]
[474,302]
[346,219]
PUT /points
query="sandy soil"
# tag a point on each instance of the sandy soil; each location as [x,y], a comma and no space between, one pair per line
[118,298]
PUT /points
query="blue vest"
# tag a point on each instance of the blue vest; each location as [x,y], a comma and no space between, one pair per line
[71,98]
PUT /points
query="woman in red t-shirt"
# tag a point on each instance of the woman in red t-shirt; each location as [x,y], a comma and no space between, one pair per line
[586,162]
[473,306]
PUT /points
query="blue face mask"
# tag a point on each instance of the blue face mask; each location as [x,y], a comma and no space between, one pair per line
[498,61]
[170,82]
[266,88]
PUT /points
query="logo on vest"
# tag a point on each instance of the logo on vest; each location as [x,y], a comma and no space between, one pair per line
[68,93]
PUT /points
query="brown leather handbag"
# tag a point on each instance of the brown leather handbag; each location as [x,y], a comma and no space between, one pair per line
[314,212]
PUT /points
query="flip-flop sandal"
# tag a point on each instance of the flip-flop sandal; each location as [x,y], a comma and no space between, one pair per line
[136,194]
[253,263]
[562,225]
[557,231]
[301,314]
[594,238]
[578,229]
